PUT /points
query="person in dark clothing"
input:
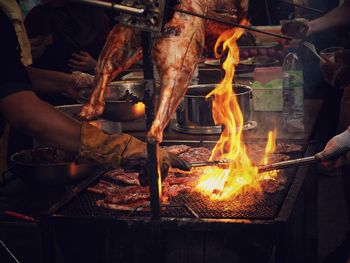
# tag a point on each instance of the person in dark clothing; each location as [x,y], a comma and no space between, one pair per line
[66,36]
[20,106]
[336,73]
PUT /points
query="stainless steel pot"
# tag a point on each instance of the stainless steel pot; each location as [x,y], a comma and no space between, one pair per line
[49,167]
[194,114]
[123,100]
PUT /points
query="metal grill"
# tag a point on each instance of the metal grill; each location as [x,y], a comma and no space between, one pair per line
[190,205]
[193,205]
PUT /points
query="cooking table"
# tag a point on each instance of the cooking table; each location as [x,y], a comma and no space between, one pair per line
[291,232]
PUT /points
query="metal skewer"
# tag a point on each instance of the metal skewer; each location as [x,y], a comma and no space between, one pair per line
[117,7]
[233,24]
[287,164]
[264,168]
[303,7]
[143,12]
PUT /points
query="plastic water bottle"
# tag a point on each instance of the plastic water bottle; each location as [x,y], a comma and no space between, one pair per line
[293,92]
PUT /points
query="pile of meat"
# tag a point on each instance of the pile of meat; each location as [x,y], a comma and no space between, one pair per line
[121,190]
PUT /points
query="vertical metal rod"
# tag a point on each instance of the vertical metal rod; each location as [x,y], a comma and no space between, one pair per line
[152,149]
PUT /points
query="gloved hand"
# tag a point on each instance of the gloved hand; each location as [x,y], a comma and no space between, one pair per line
[122,150]
[82,80]
[337,151]
[297,28]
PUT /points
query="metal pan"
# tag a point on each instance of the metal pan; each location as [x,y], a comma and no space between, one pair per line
[49,167]
[123,100]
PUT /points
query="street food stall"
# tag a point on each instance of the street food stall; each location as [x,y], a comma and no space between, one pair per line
[250,191]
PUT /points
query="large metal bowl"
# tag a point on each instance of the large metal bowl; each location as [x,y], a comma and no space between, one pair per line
[123,100]
[49,167]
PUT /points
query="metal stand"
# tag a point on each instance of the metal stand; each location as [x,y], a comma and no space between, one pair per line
[152,149]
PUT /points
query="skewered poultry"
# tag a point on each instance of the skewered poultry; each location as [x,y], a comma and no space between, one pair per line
[176,54]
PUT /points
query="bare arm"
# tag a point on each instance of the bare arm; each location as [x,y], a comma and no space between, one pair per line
[48,81]
[25,111]
[338,17]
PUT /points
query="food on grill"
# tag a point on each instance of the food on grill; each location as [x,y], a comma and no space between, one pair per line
[177,149]
[124,207]
[120,175]
[122,192]
[196,154]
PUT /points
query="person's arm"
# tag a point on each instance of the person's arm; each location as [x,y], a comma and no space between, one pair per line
[48,81]
[25,111]
[54,82]
[338,17]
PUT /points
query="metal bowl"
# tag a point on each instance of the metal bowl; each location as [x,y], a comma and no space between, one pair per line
[49,167]
[194,114]
[105,125]
[123,100]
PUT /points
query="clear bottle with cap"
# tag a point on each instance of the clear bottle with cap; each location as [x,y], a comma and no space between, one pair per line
[293,92]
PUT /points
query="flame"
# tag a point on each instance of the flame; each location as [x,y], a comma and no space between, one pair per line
[217,182]
[269,149]
[139,108]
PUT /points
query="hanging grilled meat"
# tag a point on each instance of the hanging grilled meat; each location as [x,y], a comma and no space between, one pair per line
[122,49]
[176,54]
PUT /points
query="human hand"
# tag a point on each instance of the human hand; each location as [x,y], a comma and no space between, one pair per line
[337,151]
[78,81]
[82,61]
[297,28]
[167,160]
[125,151]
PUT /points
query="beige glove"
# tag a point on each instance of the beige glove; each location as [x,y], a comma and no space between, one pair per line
[337,151]
[82,80]
[122,150]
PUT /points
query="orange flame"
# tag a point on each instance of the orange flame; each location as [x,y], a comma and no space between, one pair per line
[269,149]
[216,182]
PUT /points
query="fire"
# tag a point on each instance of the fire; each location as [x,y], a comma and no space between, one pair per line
[217,182]
[269,149]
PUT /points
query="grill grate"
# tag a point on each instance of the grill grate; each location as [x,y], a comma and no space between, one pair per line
[264,206]
[189,205]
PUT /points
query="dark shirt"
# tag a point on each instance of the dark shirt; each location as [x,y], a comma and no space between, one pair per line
[71,28]
[13,75]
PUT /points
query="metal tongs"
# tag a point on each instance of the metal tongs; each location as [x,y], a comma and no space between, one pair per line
[263,168]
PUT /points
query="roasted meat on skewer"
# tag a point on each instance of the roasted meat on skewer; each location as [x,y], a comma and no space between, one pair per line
[176,54]
[122,49]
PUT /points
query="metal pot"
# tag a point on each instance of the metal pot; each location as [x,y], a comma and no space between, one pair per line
[123,100]
[49,167]
[194,114]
